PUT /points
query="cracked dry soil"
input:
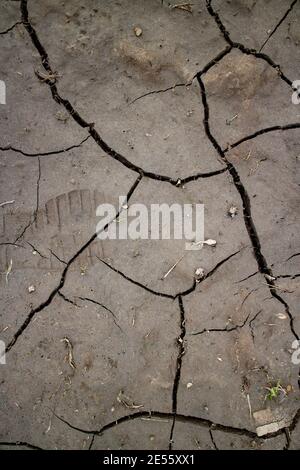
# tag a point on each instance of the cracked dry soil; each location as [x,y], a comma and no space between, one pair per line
[197,109]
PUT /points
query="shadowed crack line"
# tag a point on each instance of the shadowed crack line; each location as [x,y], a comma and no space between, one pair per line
[181,351]
[249,223]
[57,257]
[139,284]
[205,69]
[289,430]
[244,49]
[261,132]
[20,443]
[44,154]
[51,82]
[163,90]
[292,256]
[104,307]
[288,439]
[181,182]
[288,276]
[214,61]
[206,276]
[206,423]
[261,262]
[227,328]
[33,219]
[163,294]
[212,439]
[251,322]
[278,24]
[36,250]
[248,295]
[92,442]
[61,283]
[66,299]
[11,27]
[294,423]
[247,277]
[12,244]
[287,310]
[107,149]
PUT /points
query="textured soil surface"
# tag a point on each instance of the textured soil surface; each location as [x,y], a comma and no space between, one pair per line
[102,350]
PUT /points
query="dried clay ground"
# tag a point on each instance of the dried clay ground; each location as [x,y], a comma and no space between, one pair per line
[102,351]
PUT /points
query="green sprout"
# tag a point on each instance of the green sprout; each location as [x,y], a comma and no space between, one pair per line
[274,391]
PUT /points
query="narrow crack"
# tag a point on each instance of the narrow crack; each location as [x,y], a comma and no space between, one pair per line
[61,283]
[288,276]
[287,438]
[20,443]
[206,276]
[196,176]
[287,310]
[244,49]
[51,82]
[203,422]
[214,61]
[66,299]
[35,213]
[36,250]
[251,325]
[44,154]
[92,442]
[12,244]
[266,130]
[136,283]
[11,27]
[294,423]
[57,257]
[278,24]
[163,294]
[212,439]
[249,223]
[247,277]
[238,184]
[181,352]
[262,264]
[205,69]
[115,319]
[156,92]
[293,256]
[227,328]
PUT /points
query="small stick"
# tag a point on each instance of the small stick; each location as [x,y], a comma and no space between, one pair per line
[6,202]
[249,405]
[173,267]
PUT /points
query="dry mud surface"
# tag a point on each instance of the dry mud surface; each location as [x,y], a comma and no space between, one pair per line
[104,353]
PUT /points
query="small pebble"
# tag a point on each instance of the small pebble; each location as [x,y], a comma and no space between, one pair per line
[199,274]
[138,31]
[232,212]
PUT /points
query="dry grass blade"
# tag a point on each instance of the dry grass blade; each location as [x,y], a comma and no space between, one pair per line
[183,6]
[6,202]
[127,402]
[69,357]
[8,271]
